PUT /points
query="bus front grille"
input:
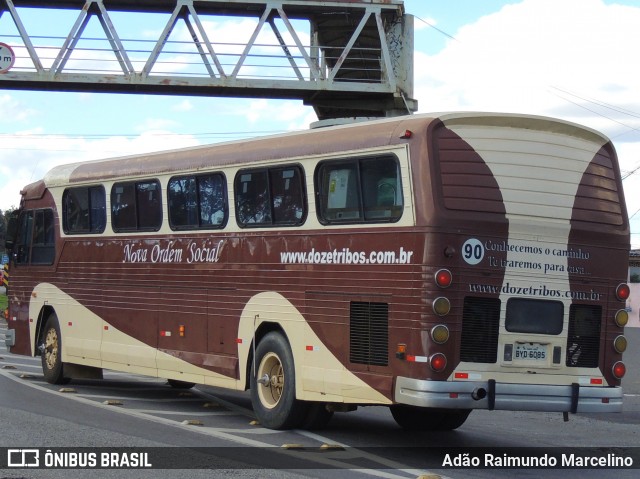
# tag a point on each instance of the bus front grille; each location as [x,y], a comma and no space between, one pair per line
[480,327]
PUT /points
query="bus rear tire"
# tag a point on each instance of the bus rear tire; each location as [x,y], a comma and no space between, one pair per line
[51,355]
[428,419]
[273,385]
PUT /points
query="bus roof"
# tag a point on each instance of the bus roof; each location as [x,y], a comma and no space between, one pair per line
[352,137]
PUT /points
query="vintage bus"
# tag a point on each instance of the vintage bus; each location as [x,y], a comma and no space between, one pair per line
[434,264]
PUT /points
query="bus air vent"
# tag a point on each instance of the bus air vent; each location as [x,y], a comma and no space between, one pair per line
[583,342]
[369,333]
[480,325]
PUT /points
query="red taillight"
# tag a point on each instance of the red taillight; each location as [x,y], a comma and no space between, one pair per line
[444,278]
[438,362]
[619,370]
[623,292]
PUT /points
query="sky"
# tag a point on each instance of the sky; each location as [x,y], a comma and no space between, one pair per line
[570,59]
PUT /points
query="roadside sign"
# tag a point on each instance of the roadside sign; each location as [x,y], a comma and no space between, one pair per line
[5,258]
[7,58]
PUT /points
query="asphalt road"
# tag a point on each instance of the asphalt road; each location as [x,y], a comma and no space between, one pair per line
[146,413]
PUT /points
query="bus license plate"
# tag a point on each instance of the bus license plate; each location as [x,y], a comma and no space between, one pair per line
[530,352]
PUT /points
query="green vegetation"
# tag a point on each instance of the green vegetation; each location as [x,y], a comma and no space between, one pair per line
[4,302]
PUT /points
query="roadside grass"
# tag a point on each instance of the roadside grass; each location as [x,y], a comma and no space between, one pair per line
[4,302]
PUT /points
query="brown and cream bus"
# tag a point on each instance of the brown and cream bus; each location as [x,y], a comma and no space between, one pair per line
[434,264]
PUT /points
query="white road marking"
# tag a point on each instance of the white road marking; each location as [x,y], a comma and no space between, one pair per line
[223,434]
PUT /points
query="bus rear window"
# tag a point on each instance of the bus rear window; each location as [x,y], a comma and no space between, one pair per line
[359,190]
[534,316]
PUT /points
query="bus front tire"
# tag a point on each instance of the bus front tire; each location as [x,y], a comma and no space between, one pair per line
[51,352]
[428,419]
[273,385]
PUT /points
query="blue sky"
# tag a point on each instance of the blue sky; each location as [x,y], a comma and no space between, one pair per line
[572,59]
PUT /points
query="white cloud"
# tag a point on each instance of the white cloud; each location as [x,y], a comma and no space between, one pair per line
[257,109]
[510,59]
[156,124]
[571,59]
[183,106]
[26,158]
[14,111]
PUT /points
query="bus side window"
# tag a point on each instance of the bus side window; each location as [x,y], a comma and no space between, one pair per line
[270,197]
[123,207]
[25,234]
[253,201]
[183,203]
[381,189]
[197,202]
[36,238]
[340,197]
[212,200]
[288,195]
[149,205]
[84,210]
[359,190]
[43,248]
[75,212]
[136,206]
[98,209]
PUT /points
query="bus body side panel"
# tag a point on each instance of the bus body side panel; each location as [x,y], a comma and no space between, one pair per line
[273,284]
[320,375]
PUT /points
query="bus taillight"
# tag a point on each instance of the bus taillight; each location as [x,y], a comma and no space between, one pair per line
[620,344]
[438,362]
[622,318]
[444,278]
[440,334]
[619,370]
[441,306]
[623,291]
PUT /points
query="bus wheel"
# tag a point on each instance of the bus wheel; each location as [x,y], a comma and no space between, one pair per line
[176,384]
[428,419]
[273,386]
[51,352]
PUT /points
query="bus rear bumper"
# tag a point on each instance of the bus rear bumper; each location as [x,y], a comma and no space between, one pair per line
[510,397]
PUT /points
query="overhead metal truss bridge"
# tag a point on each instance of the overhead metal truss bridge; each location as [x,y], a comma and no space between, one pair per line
[349,58]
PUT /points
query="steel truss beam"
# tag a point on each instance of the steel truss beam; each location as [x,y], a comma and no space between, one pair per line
[346,58]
